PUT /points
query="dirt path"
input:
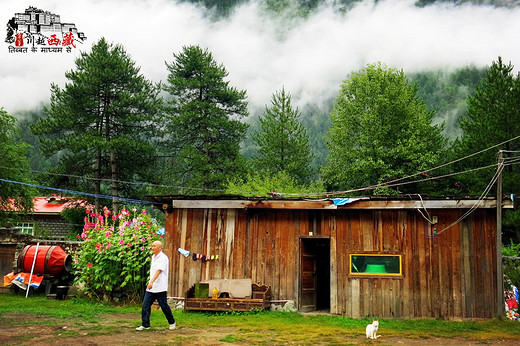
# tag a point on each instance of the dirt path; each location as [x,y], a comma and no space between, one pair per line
[120,330]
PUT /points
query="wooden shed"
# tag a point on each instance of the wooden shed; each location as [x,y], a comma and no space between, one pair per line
[386,257]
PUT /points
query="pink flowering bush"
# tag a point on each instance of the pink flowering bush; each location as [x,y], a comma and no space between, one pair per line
[115,253]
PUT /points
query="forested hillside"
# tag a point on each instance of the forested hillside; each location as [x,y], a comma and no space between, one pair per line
[310,96]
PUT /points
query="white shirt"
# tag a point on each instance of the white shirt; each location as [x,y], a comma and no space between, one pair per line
[159,262]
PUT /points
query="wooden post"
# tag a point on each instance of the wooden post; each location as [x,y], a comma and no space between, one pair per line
[500,273]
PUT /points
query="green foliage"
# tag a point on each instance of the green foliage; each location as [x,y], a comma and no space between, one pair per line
[14,198]
[40,231]
[115,253]
[103,120]
[218,8]
[380,131]
[282,140]
[446,93]
[204,121]
[511,266]
[257,184]
[37,161]
[511,250]
[493,117]
[74,213]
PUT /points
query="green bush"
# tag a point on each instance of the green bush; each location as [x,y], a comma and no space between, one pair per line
[114,257]
[511,265]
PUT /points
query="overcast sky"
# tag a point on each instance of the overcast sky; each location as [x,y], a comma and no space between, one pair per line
[311,60]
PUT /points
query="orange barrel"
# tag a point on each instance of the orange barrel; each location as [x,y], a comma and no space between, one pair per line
[50,260]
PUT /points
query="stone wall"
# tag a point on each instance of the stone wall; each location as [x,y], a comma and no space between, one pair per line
[12,243]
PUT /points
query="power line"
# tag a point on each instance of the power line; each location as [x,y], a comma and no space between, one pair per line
[479,200]
[391,183]
[129,200]
[386,184]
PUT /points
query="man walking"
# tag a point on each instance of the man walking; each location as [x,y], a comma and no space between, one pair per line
[157,287]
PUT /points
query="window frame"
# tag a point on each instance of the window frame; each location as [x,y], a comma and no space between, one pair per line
[25,227]
[393,275]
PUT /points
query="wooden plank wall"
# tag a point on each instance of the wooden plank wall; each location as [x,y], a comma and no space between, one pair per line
[452,275]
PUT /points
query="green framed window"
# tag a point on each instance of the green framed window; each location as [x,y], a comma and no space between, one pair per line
[375,264]
[25,227]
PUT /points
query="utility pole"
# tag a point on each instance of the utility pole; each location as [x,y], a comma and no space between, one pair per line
[500,272]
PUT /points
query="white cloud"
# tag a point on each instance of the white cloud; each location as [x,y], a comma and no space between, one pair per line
[310,60]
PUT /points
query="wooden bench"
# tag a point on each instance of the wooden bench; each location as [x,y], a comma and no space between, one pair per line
[260,299]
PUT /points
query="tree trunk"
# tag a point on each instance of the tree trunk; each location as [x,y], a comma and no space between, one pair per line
[115,185]
[97,182]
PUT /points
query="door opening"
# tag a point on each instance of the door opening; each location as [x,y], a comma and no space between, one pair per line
[314,274]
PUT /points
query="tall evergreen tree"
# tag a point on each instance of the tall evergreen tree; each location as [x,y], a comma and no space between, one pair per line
[103,121]
[282,140]
[205,126]
[493,117]
[14,169]
[380,131]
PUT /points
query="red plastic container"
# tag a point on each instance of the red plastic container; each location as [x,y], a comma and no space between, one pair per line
[50,260]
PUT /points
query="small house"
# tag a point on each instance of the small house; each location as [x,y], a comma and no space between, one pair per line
[45,219]
[388,257]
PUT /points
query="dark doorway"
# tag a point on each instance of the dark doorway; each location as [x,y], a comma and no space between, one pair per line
[314,274]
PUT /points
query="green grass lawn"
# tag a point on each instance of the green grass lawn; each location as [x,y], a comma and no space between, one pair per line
[89,318]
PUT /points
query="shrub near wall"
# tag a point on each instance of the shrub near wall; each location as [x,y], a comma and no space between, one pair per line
[114,257]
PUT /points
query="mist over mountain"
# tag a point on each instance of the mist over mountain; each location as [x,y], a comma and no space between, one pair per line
[306,46]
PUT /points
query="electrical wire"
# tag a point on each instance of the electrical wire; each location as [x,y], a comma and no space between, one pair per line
[130,200]
[431,169]
[391,183]
[479,200]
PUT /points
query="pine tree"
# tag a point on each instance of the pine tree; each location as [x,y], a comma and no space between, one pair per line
[493,117]
[102,122]
[282,140]
[204,112]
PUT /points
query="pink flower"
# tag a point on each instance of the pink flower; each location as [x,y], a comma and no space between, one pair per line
[128,244]
[108,234]
[89,265]
[143,240]
[142,247]
[121,242]
[114,218]
[144,211]
[98,246]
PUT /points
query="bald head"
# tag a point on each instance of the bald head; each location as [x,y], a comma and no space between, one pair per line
[157,247]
